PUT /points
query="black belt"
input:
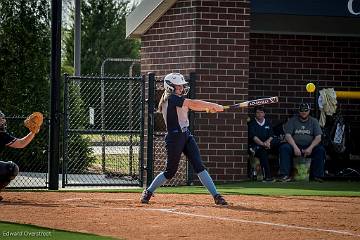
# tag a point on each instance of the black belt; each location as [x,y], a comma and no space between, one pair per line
[184,129]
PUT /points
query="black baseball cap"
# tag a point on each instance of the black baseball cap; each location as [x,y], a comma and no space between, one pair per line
[304,107]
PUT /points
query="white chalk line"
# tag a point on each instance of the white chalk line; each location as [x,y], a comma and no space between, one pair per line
[175,211]
[70,199]
[265,223]
[98,199]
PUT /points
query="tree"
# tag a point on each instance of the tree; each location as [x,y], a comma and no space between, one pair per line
[103,29]
[24,74]
[24,56]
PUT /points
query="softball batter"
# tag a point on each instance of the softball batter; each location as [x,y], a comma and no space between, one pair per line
[174,107]
[9,170]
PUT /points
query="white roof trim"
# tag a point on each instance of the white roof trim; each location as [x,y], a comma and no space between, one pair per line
[145,15]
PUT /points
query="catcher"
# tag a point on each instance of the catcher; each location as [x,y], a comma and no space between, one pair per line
[9,170]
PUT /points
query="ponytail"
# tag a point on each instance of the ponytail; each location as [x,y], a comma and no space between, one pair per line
[164,98]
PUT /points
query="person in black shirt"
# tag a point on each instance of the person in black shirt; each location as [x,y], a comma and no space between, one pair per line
[9,169]
[261,140]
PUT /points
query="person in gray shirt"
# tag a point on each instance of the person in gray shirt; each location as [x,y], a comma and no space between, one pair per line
[303,138]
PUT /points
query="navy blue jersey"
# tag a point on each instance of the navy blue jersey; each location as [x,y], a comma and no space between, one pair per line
[5,139]
[175,114]
[262,132]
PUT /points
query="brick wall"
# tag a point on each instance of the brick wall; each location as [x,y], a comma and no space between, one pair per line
[169,45]
[283,64]
[210,38]
[222,63]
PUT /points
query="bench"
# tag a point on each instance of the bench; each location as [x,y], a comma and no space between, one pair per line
[300,171]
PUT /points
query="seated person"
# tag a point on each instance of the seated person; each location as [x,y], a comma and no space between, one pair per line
[303,138]
[261,140]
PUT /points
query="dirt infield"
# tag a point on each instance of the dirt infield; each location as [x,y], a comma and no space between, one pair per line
[182,216]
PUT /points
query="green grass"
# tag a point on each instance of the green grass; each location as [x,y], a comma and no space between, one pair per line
[119,162]
[336,189]
[113,160]
[111,137]
[116,162]
[26,231]
[300,188]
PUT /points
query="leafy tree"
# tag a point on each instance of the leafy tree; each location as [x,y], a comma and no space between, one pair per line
[103,30]
[102,36]
[24,56]
[80,155]
[24,74]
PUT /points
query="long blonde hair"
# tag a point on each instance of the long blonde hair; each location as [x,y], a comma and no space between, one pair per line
[164,97]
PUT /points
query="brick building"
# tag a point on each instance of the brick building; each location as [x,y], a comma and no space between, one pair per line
[242,50]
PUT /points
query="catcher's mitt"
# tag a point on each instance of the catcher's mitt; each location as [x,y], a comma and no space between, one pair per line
[34,122]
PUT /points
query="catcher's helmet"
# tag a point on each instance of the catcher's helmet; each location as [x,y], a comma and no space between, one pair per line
[173,79]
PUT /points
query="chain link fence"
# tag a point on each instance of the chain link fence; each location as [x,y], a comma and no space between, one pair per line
[103,137]
[103,130]
[32,160]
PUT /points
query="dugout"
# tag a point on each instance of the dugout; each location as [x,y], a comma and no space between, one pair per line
[341,141]
[242,50]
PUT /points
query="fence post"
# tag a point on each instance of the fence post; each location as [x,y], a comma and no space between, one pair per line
[55,94]
[150,135]
[142,124]
[65,130]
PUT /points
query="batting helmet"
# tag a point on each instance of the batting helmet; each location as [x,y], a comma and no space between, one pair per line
[173,79]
